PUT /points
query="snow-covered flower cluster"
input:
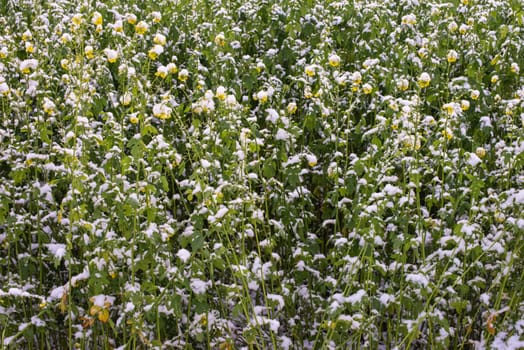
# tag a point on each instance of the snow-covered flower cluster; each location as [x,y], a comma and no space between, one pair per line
[256,175]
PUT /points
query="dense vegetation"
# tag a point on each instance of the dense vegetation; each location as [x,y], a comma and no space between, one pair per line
[259,174]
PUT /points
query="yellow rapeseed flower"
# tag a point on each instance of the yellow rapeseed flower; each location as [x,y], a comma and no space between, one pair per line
[424,80]
[141,28]
[97,19]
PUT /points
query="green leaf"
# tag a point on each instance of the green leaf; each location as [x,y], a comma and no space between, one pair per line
[269,168]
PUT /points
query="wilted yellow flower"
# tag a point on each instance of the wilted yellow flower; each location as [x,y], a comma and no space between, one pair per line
[141,28]
[97,19]
[423,80]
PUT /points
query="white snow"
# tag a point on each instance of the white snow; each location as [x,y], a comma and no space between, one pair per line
[184,255]
[57,249]
[198,286]
[473,160]
[417,278]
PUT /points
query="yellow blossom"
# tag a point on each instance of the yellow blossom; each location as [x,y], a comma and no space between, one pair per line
[64,63]
[221,93]
[220,39]
[480,152]
[29,47]
[27,35]
[452,56]
[97,19]
[159,39]
[161,72]
[131,18]
[157,16]
[183,75]
[402,84]
[89,52]
[77,19]
[172,68]
[367,89]
[141,28]
[310,70]
[447,134]
[474,94]
[155,51]
[112,55]
[118,26]
[292,108]
[334,60]
[424,80]
[261,96]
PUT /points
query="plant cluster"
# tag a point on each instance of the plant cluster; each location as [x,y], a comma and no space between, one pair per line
[261,174]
